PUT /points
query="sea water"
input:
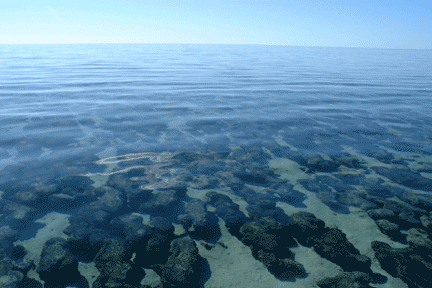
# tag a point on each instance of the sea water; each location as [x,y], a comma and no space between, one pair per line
[69,109]
[61,101]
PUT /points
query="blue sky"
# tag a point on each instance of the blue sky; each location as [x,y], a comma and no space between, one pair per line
[328,23]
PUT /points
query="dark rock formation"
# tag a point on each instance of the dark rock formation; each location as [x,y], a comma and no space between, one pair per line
[381,214]
[329,243]
[405,177]
[57,266]
[268,240]
[200,225]
[390,229]
[305,226]
[85,240]
[227,210]
[346,280]
[13,270]
[184,267]
[413,264]
[334,246]
[250,155]
[104,229]
[162,203]
[116,267]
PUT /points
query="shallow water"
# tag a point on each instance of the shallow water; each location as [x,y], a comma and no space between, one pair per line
[345,128]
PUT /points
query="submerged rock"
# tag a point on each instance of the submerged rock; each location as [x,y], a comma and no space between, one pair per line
[57,265]
[116,267]
[346,280]
[413,264]
[183,268]
[405,177]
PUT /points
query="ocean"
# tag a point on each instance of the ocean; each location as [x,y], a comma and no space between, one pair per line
[235,120]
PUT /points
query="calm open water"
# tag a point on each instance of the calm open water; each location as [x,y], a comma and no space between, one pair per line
[59,102]
[85,109]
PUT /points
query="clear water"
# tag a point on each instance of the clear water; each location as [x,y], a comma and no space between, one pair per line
[65,109]
[58,101]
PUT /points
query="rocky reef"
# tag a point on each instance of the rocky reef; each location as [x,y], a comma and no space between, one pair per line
[156,215]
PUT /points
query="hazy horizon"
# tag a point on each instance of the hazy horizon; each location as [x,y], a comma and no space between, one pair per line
[333,23]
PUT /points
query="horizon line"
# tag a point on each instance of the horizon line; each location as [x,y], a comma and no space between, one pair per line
[168,43]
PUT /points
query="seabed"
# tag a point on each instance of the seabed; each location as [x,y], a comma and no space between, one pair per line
[244,217]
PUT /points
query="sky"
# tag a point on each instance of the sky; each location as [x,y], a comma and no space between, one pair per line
[390,24]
